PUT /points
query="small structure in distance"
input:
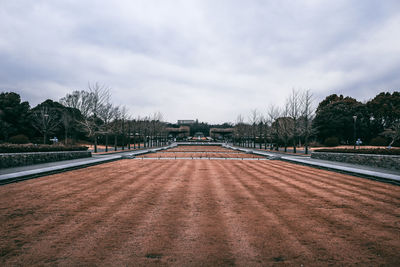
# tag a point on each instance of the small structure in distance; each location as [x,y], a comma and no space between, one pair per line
[180,122]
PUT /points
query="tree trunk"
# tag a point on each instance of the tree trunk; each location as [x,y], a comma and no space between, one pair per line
[306,144]
[123,135]
[95,143]
[66,136]
[129,135]
[106,142]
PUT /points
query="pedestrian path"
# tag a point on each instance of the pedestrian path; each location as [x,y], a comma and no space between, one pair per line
[355,169]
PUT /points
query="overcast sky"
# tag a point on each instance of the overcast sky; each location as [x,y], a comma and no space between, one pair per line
[210,60]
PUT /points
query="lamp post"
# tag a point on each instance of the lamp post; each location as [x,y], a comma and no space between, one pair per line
[137,139]
[355,119]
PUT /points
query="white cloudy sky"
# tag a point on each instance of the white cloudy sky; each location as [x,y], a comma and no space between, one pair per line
[210,60]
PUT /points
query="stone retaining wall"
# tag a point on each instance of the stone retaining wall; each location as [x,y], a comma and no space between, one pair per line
[380,161]
[22,159]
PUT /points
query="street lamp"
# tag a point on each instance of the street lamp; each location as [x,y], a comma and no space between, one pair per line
[136,140]
[355,119]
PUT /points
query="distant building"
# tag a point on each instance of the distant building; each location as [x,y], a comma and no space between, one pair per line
[180,122]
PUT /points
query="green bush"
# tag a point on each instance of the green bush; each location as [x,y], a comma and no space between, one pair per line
[331,141]
[14,148]
[19,139]
[376,151]
[378,141]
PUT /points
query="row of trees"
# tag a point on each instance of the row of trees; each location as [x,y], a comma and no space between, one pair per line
[90,115]
[81,115]
[338,118]
[348,119]
[101,119]
[278,126]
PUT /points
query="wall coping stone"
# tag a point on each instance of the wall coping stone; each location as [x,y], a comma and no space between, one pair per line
[358,154]
[8,160]
[373,160]
[44,152]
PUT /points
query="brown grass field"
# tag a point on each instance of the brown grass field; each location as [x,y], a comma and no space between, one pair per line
[199,213]
[199,155]
[200,149]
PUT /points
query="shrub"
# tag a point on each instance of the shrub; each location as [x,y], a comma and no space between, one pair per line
[376,151]
[331,141]
[378,141]
[19,139]
[13,148]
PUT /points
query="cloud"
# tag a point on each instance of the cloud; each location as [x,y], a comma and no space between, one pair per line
[210,60]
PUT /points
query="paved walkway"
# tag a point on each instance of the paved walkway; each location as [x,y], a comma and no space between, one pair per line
[20,173]
[9,175]
[355,169]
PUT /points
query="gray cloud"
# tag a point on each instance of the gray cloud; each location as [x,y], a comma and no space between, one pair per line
[210,60]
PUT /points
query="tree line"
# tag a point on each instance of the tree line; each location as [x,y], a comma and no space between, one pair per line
[335,120]
[91,116]
[81,115]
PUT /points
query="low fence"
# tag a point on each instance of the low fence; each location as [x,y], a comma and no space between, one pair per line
[8,160]
[380,161]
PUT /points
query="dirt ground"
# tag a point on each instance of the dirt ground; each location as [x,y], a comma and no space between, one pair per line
[199,212]
[194,148]
[200,155]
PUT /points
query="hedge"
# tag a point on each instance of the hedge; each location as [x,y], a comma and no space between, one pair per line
[13,148]
[376,151]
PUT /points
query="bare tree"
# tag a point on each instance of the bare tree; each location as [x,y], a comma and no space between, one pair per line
[135,131]
[293,107]
[72,100]
[46,121]
[285,126]
[90,104]
[80,100]
[129,128]
[67,120]
[115,125]
[99,94]
[239,130]
[77,100]
[146,131]
[307,113]
[107,114]
[262,131]
[123,117]
[156,124]
[393,132]
[254,121]
[273,114]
